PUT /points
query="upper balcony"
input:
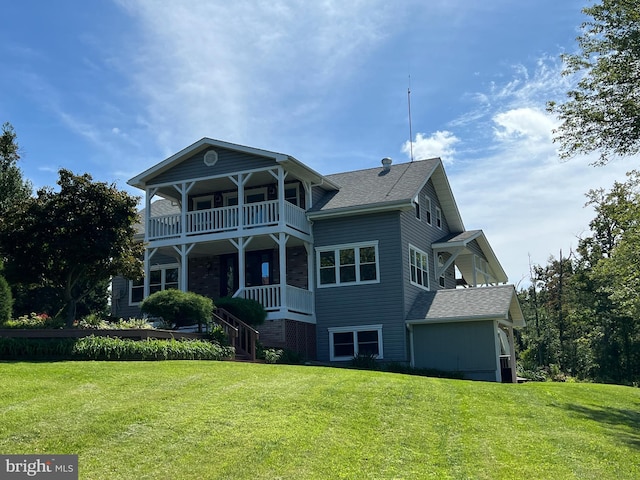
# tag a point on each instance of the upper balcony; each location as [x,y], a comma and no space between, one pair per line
[276,213]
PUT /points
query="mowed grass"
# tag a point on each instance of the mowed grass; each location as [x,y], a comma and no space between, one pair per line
[210,420]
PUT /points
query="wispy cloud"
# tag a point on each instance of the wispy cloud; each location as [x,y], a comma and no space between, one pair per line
[516,188]
[241,70]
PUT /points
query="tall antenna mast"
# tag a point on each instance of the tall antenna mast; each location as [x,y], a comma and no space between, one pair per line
[410,131]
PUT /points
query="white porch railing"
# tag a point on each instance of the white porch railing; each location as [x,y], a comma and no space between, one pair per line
[298,299]
[212,220]
[165,226]
[226,219]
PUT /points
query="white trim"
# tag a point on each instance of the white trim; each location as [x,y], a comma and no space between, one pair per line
[162,268]
[336,250]
[412,249]
[354,330]
[416,207]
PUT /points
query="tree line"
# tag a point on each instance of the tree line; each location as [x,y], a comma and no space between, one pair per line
[583,308]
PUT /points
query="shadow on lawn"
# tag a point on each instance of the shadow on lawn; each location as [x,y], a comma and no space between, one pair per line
[622,423]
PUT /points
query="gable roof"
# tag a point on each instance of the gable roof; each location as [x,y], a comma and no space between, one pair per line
[377,189]
[467,304]
[290,163]
[457,240]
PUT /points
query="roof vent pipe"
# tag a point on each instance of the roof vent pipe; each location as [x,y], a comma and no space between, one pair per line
[386,164]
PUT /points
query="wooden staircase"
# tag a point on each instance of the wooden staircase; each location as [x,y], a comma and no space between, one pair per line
[242,336]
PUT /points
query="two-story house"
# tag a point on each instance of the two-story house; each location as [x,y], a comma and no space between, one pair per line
[368,262]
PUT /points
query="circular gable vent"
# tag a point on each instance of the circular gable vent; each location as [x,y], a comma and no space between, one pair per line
[210,158]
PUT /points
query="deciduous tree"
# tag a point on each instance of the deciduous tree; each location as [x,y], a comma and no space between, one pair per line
[74,238]
[602,113]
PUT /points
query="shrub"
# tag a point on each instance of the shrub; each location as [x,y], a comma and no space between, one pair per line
[178,308]
[247,310]
[218,335]
[6,300]
[96,322]
[110,348]
[35,348]
[272,355]
[34,320]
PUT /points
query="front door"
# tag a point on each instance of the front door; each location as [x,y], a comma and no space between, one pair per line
[258,271]
[229,282]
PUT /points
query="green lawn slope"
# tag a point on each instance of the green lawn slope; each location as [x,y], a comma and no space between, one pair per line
[209,420]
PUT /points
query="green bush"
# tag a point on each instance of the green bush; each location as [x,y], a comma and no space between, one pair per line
[6,300]
[34,320]
[111,348]
[218,335]
[247,310]
[36,348]
[178,308]
[108,348]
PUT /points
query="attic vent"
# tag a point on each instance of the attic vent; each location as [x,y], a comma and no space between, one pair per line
[210,158]
[386,163]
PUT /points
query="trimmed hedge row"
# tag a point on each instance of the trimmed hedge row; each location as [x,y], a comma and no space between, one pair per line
[111,348]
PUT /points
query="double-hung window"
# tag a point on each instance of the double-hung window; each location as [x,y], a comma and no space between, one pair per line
[161,277]
[349,264]
[419,267]
[438,217]
[348,342]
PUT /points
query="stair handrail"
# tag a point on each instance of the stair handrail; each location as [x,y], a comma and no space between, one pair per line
[246,338]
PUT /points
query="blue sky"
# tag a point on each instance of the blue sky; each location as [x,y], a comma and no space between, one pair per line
[113,87]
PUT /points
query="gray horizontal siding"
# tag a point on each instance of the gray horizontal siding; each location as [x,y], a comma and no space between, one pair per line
[229,162]
[120,299]
[421,235]
[354,305]
[120,290]
[468,347]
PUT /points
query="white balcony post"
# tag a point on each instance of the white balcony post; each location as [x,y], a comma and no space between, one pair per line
[512,353]
[282,254]
[149,193]
[184,251]
[148,253]
[281,200]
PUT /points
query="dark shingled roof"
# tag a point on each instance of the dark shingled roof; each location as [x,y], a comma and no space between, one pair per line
[467,304]
[376,186]
[158,209]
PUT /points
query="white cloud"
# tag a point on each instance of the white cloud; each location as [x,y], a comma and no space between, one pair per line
[518,191]
[438,144]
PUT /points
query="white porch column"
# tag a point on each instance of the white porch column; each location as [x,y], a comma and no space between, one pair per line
[311,273]
[183,251]
[149,193]
[241,245]
[281,215]
[512,352]
[184,189]
[282,254]
[148,253]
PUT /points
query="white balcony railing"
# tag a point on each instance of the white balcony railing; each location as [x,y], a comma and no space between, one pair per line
[226,218]
[298,299]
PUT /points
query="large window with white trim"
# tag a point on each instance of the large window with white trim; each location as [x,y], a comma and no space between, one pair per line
[348,342]
[349,264]
[419,267]
[161,277]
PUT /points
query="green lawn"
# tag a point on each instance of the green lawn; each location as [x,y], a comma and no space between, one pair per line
[206,420]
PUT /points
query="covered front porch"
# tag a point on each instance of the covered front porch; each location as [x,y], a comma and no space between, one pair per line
[274,270]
